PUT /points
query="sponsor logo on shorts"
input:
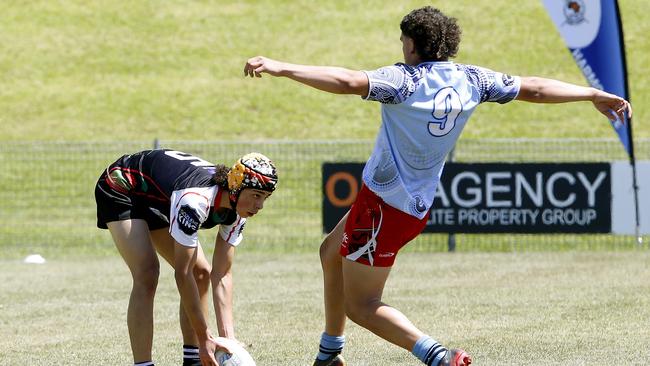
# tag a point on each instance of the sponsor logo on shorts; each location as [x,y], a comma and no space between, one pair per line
[188,220]
[386,255]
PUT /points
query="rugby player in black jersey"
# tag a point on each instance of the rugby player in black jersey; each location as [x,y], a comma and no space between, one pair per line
[155,201]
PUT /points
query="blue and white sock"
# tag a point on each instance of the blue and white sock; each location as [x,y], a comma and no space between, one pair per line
[429,351]
[145,363]
[330,345]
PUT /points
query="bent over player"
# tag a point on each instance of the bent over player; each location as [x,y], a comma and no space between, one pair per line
[156,201]
[425,103]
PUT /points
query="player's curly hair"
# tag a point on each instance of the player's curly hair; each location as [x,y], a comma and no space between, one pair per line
[220,176]
[435,35]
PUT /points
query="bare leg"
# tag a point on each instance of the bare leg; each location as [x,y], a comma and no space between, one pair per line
[333,280]
[363,287]
[131,238]
[164,244]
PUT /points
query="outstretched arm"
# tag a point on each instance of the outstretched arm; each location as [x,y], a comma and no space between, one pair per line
[541,90]
[331,79]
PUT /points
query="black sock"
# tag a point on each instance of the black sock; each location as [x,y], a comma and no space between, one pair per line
[191,355]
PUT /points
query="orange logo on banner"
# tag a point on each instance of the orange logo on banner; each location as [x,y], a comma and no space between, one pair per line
[331,184]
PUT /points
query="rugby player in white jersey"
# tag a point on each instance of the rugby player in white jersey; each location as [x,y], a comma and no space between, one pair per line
[425,103]
[156,201]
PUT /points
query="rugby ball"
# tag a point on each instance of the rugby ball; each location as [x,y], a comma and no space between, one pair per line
[238,357]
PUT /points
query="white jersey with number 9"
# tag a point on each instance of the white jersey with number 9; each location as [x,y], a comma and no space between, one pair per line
[424,109]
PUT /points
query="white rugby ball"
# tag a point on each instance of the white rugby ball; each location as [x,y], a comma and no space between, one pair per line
[238,357]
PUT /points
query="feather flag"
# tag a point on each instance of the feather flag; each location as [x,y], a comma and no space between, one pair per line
[592,31]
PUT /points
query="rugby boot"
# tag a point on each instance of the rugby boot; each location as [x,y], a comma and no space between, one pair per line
[334,360]
[456,357]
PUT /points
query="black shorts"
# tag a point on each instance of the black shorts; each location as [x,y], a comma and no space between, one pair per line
[114,204]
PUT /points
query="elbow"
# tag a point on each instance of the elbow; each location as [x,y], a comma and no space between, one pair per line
[532,89]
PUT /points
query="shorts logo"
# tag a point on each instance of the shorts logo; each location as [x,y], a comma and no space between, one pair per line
[188,220]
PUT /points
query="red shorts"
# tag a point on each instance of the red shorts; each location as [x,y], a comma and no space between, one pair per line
[375,231]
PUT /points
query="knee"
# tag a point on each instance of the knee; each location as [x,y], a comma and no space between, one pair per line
[359,313]
[323,251]
[145,280]
[202,275]
[329,252]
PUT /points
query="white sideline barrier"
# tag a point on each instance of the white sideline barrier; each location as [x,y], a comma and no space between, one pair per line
[623,215]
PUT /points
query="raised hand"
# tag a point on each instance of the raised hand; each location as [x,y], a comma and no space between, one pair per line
[610,104]
[255,66]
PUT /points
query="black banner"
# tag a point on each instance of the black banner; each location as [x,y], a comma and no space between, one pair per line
[341,183]
[497,197]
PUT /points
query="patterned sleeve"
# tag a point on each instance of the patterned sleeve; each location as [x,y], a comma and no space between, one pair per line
[232,233]
[391,84]
[492,86]
[189,209]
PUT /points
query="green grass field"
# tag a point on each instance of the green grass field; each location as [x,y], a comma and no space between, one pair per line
[122,70]
[506,309]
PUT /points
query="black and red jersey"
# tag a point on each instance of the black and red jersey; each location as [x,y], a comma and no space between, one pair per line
[166,188]
[155,174]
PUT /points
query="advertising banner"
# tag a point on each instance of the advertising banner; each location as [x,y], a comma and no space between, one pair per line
[497,197]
